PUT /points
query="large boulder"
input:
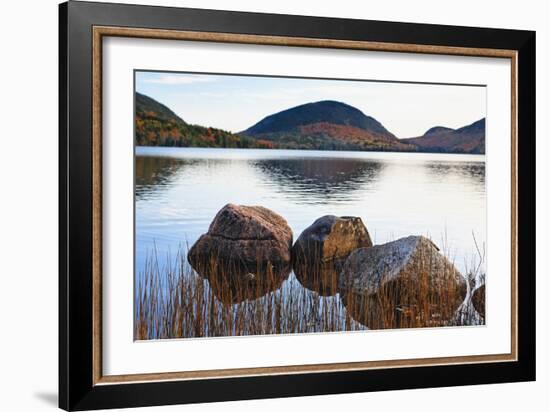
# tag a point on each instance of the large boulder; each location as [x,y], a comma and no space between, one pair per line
[404,283]
[245,253]
[478,300]
[321,250]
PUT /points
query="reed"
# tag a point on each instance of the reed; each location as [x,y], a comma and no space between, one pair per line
[173,301]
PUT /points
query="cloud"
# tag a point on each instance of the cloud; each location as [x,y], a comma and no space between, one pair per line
[175,79]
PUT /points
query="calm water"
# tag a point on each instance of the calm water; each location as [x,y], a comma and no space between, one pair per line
[179,191]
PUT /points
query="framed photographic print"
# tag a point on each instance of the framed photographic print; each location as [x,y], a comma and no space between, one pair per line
[257,205]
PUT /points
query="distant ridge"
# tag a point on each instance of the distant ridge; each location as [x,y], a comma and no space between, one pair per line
[437,129]
[467,139]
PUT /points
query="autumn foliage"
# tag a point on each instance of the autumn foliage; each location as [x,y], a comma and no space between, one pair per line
[156,125]
[354,136]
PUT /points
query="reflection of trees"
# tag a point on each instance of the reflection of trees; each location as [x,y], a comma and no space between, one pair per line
[155,173]
[158,173]
[310,180]
[473,171]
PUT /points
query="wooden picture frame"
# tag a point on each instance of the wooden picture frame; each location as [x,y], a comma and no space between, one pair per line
[82,27]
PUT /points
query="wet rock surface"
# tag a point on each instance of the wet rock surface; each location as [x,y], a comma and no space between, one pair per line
[404,283]
[245,254]
[321,250]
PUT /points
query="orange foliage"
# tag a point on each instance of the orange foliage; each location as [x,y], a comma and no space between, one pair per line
[352,134]
[345,133]
[265,144]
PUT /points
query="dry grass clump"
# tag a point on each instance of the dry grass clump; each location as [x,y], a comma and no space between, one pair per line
[173,301]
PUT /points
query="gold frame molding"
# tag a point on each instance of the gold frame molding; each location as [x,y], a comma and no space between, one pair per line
[99,32]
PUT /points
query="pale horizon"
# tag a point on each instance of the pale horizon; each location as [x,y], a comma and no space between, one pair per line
[234,103]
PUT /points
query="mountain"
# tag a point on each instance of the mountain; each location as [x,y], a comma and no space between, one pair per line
[467,139]
[157,125]
[327,111]
[325,125]
[146,104]
[437,129]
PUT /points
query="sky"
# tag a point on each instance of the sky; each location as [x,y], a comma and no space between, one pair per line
[234,103]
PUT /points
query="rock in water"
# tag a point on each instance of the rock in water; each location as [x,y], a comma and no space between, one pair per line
[321,250]
[405,283]
[478,300]
[245,253]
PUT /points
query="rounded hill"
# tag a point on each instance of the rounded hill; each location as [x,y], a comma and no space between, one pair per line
[326,111]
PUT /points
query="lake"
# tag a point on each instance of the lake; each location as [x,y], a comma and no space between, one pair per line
[179,191]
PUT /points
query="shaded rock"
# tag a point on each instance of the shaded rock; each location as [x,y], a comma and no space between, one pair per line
[404,283]
[245,253]
[478,300]
[321,250]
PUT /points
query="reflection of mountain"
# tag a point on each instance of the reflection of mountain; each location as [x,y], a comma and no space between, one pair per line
[474,171]
[155,173]
[314,180]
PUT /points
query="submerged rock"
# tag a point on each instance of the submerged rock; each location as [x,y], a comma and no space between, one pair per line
[404,283]
[478,300]
[321,250]
[245,253]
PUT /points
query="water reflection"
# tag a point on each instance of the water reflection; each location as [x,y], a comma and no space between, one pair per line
[155,174]
[318,180]
[472,171]
[250,286]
